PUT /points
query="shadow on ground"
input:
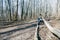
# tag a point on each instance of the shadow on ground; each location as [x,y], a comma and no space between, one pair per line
[15,30]
[5,24]
[33,25]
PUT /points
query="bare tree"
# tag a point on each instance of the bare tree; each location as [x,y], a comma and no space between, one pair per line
[9,3]
[57,7]
[22,9]
[17,12]
[26,15]
[2,10]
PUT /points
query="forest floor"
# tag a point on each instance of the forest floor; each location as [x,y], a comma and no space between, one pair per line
[27,31]
[46,34]
[19,32]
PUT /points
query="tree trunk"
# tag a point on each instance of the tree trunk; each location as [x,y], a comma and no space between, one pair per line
[9,3]
[22,9]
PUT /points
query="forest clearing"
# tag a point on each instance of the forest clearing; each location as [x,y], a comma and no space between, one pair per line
[29,19]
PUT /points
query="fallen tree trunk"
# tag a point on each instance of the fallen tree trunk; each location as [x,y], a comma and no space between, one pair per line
[53,30]
[37,37]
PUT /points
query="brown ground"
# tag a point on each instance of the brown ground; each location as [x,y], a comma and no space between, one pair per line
[46,34]
[20,32]
[27,31]
[55,23]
